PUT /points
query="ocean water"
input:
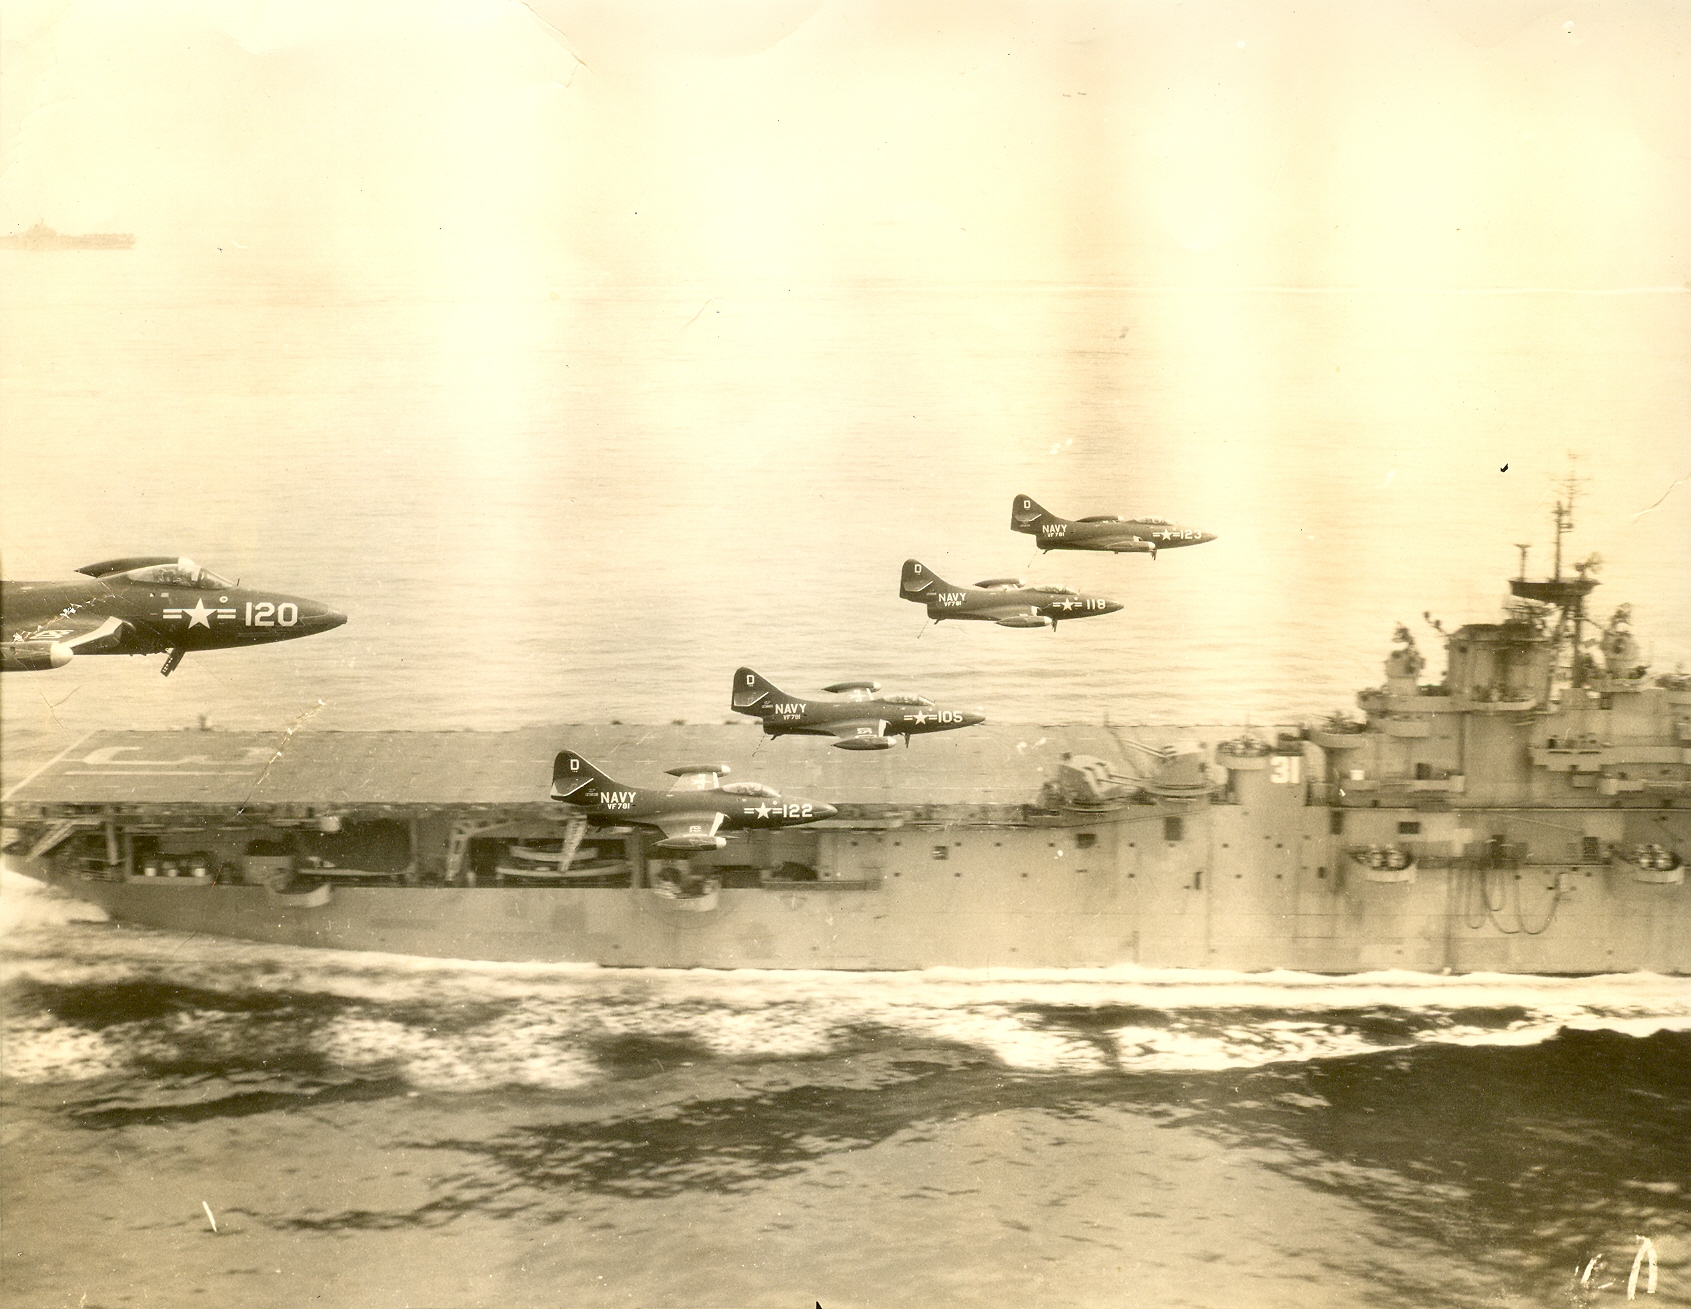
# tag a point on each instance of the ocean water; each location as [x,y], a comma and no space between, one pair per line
[543,503]
[376,1130]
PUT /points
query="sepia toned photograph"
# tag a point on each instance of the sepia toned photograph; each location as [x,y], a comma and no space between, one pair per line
[843,653]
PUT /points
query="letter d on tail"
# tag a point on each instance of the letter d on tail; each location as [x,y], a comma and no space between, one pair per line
[917,581]
[752,693]
[1026,515]
[571,773]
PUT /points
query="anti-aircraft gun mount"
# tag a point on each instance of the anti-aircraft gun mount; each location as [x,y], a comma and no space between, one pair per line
[1180,773]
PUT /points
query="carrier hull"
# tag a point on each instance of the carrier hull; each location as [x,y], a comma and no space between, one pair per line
[402,842]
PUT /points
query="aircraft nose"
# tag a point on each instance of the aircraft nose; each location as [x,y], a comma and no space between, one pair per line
[1113,606]
[969,720]
[823,810]
[321,619]
[1205,537]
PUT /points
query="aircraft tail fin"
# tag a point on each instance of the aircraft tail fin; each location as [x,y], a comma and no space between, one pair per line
[754,693]
[1026,515]
[918,582]
[571,774]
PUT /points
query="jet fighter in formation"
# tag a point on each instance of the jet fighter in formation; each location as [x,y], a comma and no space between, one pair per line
[862,720]
[690,813]
[1105,532]
[145,605]
[1007,601]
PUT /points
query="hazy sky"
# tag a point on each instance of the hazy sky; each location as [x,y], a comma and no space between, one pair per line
[1433,143]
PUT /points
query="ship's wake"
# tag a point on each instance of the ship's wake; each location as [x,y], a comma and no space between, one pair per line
[197,1021]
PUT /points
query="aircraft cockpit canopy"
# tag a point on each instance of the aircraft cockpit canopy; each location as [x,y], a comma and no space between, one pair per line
[906,697]
[1057,590]
[751,788]
[184,572]
[1160,522]
[1105,518]
[997,583]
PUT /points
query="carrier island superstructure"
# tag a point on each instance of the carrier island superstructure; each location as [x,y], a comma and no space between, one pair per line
[1531,812]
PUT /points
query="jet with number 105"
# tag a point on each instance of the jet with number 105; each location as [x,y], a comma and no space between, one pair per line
[153,604]
[1007,601]
[863,720]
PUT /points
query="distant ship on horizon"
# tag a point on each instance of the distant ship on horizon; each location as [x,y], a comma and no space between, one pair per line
[42,237]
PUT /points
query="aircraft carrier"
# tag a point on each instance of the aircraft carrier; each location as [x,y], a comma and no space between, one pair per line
[1530,812]
[42,237]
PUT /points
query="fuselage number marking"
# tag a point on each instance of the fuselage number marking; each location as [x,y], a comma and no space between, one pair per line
[266,614]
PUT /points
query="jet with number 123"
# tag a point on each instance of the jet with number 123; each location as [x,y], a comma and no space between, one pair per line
[145,605]
[862,720]
[1105,532]
[690,813]
[1007,601]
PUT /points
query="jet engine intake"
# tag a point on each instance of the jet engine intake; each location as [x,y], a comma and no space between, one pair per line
[33,656]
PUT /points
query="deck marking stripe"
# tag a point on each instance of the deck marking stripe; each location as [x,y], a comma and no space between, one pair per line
[44,767]
[163,772]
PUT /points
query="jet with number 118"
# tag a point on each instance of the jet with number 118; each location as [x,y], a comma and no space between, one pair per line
[1007,601]
[149,604]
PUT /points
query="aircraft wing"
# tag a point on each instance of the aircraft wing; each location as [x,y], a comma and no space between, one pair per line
[52,644]
[701,825]
[848,728]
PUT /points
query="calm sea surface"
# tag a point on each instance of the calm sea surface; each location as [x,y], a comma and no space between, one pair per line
[543,503]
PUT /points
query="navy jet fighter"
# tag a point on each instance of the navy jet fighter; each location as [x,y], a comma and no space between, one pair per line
[1106,532]
[861,721]
[145,605]
[690,813]
[1007,601]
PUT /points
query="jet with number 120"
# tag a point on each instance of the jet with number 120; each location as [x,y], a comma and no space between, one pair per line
[153,604]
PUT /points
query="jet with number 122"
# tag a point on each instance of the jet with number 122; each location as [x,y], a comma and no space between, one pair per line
[690,813]
[153,604]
